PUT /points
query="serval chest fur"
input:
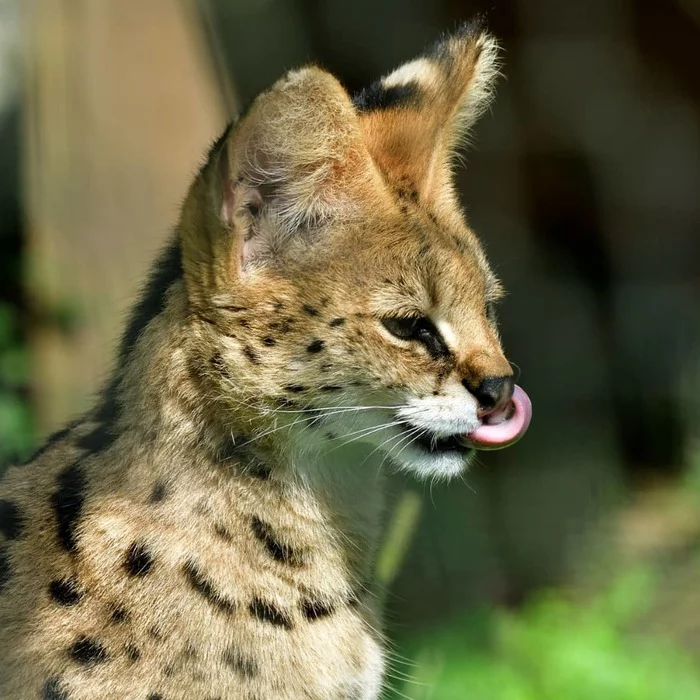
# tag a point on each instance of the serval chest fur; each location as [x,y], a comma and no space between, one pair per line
[323,312]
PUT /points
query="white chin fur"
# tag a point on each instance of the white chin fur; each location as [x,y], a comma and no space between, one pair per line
[407,456]
[432,466]
[453,411]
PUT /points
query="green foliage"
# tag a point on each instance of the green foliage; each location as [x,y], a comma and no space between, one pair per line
[16,427]
[551,649]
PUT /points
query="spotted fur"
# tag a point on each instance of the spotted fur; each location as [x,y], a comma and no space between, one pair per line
[208,529]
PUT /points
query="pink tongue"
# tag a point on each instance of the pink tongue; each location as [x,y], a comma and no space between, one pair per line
[506,428]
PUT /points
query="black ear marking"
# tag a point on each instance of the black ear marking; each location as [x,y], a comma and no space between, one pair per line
[379,97]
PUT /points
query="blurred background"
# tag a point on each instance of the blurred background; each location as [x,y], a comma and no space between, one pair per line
[566,568]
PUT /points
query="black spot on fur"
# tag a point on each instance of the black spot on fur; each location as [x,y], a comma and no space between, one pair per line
[315,346]
[67,502]
[377,96]
[132,652]
[11,521]
[295,388]
[53,690]
[309,310]
[267,612]
[244,323]
[5,570]
[283,326]
[155,696]
[277,550]
[156,633]
[331,387]
[119,615]
[206,589]
[223,533]
[269,341]
[243,666]
[88,651]
[315,609]
[251,355]
[139,561]
[65,591]
[158,493]
[334,323]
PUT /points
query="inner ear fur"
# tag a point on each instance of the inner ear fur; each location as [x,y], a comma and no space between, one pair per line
[295,161]
[416,119]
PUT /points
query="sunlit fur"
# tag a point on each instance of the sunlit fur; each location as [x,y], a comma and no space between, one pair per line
[264,388]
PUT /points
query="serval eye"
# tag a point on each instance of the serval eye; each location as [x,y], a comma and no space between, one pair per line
[404,328]
[418,329]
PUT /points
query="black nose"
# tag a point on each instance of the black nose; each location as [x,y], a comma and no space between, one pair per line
[492,393]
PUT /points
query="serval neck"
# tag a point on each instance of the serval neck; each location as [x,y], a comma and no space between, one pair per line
[159,382]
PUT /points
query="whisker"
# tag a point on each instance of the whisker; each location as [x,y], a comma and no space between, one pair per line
[364,432]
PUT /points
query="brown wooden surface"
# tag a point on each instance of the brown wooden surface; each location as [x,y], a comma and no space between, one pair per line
[121,103]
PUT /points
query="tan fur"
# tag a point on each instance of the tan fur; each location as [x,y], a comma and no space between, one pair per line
[218,511]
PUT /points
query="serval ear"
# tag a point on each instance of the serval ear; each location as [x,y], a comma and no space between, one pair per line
[416,118]
[293,163]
